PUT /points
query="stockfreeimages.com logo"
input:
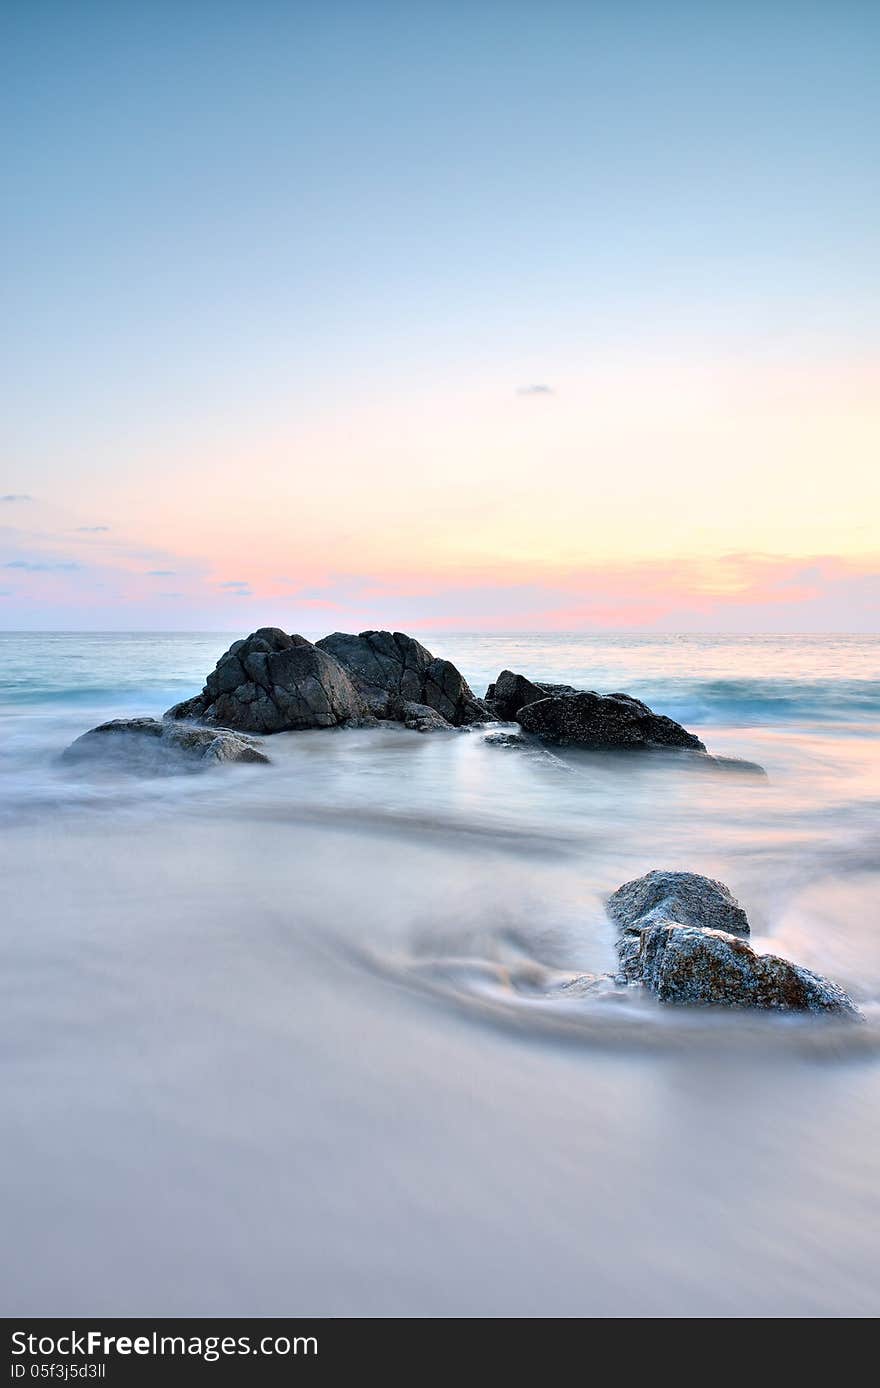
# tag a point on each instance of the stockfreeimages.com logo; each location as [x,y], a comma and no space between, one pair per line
[95,1344]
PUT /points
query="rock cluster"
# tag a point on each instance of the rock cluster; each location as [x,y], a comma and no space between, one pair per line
[272,682]
[567,717]
[685,938]
[146,744]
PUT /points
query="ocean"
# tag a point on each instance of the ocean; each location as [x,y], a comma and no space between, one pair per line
[275,1042]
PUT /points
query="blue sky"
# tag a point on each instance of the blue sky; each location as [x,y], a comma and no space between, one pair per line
[275,249]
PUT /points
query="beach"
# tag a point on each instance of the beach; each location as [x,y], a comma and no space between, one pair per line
[275,1037]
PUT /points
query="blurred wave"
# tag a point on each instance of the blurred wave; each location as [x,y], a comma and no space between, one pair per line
[269,1029]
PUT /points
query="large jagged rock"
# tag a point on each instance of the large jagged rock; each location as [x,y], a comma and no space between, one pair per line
[387,667]
[603,721]
[684,937]
[271,683]
[148,745]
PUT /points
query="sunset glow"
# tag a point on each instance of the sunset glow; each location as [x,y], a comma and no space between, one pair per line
[374,399]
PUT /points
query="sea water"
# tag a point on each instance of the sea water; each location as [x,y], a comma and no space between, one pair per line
[284,1040]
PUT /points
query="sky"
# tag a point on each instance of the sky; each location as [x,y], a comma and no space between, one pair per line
[468,316]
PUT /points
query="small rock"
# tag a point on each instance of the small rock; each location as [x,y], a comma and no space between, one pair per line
[503,739]
[684,937]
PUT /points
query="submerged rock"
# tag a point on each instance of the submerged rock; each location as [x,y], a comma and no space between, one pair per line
[146,744]
[603,721]
[684,937]
[387,667]
[735,764]
[502,738]
[271,683]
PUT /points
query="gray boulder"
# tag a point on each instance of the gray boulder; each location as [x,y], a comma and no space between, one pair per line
[705,968]
[603,721]
[388,667]
[684,938]
[148,745]
[686,897]
[271,683]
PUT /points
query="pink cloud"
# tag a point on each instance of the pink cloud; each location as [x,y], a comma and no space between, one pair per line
[738,592]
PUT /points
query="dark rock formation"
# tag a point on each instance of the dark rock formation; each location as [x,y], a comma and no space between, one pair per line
[622,722]
[272,683]
[602,721]
[683,937]
[145,744]
[510,693]
[387,667]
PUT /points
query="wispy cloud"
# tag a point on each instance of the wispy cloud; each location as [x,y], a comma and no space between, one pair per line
[33,566]
[236,587]
[161,573]
[535,390]
[13,497]
[92,529]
